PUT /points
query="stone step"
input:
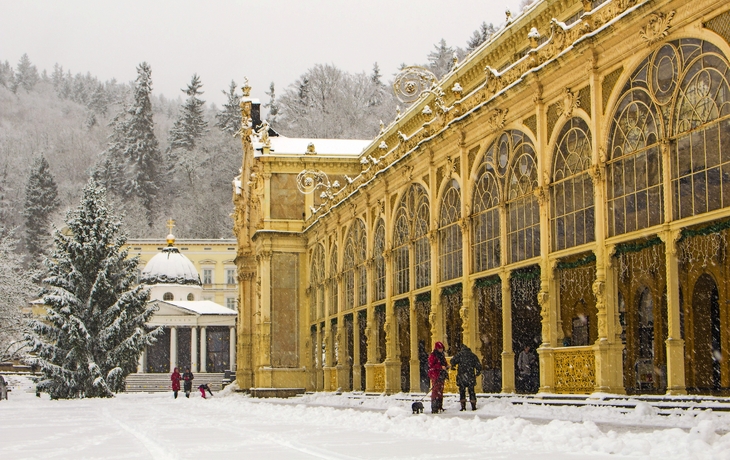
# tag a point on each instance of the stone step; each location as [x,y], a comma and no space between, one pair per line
[153,383]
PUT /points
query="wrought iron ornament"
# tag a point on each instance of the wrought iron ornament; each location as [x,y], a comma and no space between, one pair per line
[411,82]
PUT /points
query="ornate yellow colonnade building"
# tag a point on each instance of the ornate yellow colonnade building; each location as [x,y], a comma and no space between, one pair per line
[561,188]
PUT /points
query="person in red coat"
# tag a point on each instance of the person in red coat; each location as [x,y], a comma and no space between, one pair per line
[437,372]
[175,377]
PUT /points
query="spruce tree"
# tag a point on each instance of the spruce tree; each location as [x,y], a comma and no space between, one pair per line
[190,125]
[186,134]
[94,329]
[41,200]
[229,119]
[272,105]
[26,74]
[441,60]
[133,148]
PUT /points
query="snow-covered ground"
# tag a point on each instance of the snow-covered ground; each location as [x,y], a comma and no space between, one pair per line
[328,426]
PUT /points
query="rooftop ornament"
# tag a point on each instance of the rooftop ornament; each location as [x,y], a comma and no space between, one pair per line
[309,180]
[411,82]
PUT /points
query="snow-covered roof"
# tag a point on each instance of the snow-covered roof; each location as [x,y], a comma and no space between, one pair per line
[170,267]
[298,146]
[201,307]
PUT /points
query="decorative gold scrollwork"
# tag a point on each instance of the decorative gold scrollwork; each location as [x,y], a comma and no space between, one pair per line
[575,370]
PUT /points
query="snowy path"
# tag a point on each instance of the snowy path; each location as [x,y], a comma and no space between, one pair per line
[155,426]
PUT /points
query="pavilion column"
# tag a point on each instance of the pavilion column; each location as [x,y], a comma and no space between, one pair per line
[508,356]
[414,364]
[356,365]
[675,345]
[194,349]
[232,348]
[203,350]
[173,348]
[141,367]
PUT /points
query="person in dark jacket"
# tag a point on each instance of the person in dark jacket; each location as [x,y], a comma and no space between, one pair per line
[188,382]
[175,377]
[468,368]
[437,372]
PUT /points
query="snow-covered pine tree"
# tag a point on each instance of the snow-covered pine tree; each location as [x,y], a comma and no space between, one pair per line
[480,36]
[272,105]
[41,200]
[17,288]
[140,147]
[26,74]
[186,134]
[229,118]
[190,125]
[441,60]
[95,327]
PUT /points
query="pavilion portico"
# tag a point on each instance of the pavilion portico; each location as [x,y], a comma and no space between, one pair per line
[196,334]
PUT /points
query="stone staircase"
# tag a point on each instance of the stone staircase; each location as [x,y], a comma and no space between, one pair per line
[154,383]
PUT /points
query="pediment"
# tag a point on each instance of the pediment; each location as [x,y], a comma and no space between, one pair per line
[166,309]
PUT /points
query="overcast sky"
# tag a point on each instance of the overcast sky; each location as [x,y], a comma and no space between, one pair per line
[264,40]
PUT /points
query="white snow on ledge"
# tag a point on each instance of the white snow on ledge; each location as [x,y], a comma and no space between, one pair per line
[298,146]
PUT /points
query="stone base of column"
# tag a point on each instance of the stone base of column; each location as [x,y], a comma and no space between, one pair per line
[330,378]
[547,370]
[508,372]
[676,384]
[357,378]
[609,368]
[392,377]
[343,378]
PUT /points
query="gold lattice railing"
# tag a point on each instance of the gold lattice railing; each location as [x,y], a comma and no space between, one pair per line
[379,378]
[450,384]
[575,370]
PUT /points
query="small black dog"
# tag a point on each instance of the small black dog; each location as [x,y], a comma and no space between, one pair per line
[417,407]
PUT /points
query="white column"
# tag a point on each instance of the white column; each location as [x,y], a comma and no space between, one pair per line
[203,350]
[232,348]
[194,349]
[173,348]
[142,361]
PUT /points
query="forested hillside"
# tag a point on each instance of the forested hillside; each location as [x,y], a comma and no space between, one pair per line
[161,158]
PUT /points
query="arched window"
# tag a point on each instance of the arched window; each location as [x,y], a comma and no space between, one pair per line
[334,290]
[634,192]
[379,261]
[411,226]
[168,296]
[450,246]
[700,147]
[191,297]
[316,284]
[486,225]
[354,270]
[523,210]
[572,214]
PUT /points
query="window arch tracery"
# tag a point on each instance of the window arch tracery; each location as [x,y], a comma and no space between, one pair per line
[700,144]
[450,247]
[486,221]
[317,283]
[334,289]
[379,260]
[354,270]
[634,195]
[523,210]
[572,212]
[411,226]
